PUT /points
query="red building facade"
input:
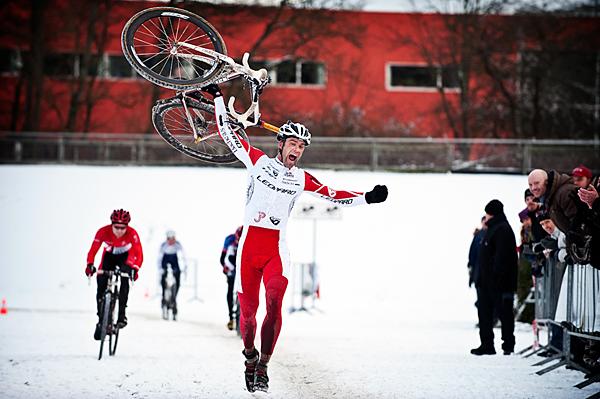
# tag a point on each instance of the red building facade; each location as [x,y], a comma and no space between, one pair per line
[340,72]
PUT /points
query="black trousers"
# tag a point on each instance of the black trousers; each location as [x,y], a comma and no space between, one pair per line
[109,261]
[172,260]
[230,283]
[491,302]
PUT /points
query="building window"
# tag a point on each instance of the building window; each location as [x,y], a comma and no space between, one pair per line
[293,72]
[312,73]
[59,65]
[285,72]
[95,64]
[118,67]
[450,77]
[422,77]
[10,61]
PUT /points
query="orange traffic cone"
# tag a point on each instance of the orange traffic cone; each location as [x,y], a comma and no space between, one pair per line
[3,309]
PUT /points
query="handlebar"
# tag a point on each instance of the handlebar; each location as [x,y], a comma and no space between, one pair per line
[110,272]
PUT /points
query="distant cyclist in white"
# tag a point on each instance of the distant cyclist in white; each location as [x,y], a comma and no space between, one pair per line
[168,255]
[274,185]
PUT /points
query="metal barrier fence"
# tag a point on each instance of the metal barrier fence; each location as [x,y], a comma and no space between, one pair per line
[397,154]
[304,284]
[567,306]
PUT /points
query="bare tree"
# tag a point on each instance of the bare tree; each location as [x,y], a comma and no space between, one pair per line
[513,70]
[34,66]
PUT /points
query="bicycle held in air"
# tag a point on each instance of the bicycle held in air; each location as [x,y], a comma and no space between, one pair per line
[109,307]
[179,50]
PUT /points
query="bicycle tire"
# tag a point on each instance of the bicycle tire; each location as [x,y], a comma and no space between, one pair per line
[136,48]
[104,325]
[173,303]
[114,329]
[170,121]
[114,347]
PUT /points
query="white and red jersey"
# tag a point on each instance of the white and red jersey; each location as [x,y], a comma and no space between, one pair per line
[129,242]
[262,255]
[273,188]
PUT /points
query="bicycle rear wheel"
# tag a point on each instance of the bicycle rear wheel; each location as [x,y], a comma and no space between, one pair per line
[105,320]
[113,346]
[171,122]
[152,43]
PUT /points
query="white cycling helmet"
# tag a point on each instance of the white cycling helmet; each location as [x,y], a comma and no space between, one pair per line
[293,129]
[170,234]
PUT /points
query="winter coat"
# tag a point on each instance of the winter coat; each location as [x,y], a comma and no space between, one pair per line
[560,198]
[474,254]
[584,235]
[537,230]
[498,261]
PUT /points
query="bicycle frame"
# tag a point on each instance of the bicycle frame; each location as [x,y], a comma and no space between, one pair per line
[258,80]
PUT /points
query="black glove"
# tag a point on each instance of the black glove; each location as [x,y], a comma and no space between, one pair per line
[212,89]
[90,270]
[130,271]
[549,243]
[378,194]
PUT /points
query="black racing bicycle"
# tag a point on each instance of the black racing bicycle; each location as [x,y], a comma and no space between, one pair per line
[108,323]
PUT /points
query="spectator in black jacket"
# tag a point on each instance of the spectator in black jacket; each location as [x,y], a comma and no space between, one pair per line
[474,251]
[497,281]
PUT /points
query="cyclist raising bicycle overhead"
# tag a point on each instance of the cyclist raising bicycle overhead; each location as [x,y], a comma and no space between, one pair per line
[274,185]
[122,248]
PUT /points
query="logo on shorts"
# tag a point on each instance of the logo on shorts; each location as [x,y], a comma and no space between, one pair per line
[332,193]
[261,216]
[274,220]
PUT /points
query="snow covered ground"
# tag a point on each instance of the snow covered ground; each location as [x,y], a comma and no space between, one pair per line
[396,318]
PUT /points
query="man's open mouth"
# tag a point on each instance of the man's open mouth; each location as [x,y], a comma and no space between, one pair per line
[292,158]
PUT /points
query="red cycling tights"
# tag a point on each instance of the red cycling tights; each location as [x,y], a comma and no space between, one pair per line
[260,259]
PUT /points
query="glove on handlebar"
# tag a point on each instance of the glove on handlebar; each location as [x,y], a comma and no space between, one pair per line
[212,89]
[90,270]
[131,271]
[378,194]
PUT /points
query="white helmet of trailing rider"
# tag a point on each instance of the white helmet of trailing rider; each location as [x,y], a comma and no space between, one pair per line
[293,129]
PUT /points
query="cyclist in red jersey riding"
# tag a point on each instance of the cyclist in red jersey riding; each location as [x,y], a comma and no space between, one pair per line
[274,185]
[122,247]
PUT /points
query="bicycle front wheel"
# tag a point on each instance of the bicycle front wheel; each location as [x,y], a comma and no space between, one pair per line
[114,330]
[171,122]
[106,313]
[157,41]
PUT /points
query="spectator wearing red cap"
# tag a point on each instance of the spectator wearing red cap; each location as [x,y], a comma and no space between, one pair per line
[589,187]
[582,176]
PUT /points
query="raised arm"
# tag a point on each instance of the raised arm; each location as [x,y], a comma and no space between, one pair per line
[343,197]
[243,151]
